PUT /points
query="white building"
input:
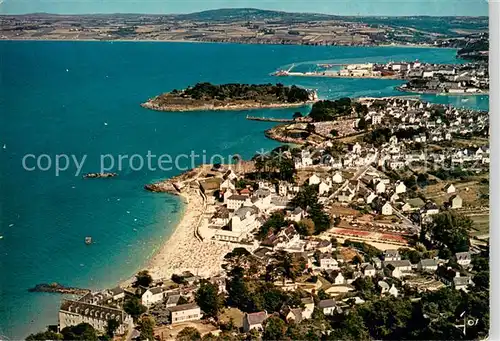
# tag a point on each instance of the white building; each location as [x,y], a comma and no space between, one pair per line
[236,201]
[337,177]
[254,321]
[314,180]
[152,295]
[387,209]
[400,187]
[184,313]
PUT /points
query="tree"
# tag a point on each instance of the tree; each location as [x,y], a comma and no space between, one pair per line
[46,335]
[450,230]
[146,326]
[275,222]
[274,328]
[306,227]
[287,169]
[111,327]
[320,218]
[311,128]
[307,196]
[143,278]
[134,308]
[350,327]
[334,132]
[188,334]
[297,115]
[238,293]
[482,280]
[412,255]
[82,331]
[207,297]
[362,124]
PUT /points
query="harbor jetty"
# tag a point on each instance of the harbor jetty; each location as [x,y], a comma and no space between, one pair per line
[57,288]
[270,119]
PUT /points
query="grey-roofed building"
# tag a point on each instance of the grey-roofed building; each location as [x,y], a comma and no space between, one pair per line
[413,204]
[461,283]
[117,293]
[184,312]
[172,300]
[391,255]
[254,321]
[463,258]
[327,306]
[427,265]
[72,313]
[243,212]
[236,201]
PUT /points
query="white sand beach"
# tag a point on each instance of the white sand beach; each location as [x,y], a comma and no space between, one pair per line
[183,251]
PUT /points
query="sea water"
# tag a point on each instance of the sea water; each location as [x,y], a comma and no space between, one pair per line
[82,98]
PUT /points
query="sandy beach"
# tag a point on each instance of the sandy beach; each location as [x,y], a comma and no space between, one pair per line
[183,251]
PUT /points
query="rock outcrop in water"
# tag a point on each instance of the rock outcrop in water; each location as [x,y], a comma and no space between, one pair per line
[58,288]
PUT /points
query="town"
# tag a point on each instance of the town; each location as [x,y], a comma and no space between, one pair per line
[372,225]
[249,26]
[469,78]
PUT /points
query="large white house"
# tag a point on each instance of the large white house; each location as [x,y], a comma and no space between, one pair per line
[184,313]
[236,201]
[152,295]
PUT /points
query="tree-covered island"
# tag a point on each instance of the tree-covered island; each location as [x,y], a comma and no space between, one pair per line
[207,96]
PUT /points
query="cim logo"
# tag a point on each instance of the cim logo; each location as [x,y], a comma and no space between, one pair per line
[468,322]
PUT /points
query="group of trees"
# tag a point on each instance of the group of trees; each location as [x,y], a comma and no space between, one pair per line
[82,331]
[328,110]
[434,317]
[307,199]
[448,232]
[380,136]
[262,92]
[277,164]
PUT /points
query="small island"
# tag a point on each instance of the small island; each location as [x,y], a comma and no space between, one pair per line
[207,96]
[99,175]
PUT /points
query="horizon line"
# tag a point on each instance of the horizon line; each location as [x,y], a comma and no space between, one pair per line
[249,8]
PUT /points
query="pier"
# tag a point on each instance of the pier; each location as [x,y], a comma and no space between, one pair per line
[270,119]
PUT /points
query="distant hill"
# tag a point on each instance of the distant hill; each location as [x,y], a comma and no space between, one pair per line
[238,14]
[446,25]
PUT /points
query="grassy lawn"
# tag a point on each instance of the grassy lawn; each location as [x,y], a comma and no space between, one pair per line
[481,224]
[234,313]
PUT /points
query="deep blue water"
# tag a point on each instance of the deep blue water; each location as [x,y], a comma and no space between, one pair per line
[82,98]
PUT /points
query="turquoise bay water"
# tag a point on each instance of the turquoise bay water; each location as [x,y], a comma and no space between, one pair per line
[56,98]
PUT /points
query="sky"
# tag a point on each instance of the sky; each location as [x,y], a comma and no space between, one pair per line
[338,7]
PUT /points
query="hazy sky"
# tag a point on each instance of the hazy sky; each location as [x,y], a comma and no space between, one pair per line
[340,7]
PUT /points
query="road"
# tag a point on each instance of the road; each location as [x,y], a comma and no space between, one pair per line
[359,173]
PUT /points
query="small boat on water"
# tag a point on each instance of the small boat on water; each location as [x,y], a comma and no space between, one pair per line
[88,240]
[4,146]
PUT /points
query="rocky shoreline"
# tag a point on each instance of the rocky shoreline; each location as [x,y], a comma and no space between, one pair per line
[150,104]
[58,289]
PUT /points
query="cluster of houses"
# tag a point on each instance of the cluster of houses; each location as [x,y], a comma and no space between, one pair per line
[391,267]
[467,78]
[441,122]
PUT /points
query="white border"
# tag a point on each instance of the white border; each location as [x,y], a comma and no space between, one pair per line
[494,25]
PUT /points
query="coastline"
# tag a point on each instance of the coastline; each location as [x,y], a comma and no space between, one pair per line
[221,42]
[229,107]
[182,250]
